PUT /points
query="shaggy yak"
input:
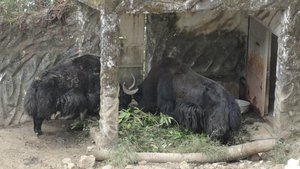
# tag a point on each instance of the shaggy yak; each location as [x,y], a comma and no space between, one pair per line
[194,101]
[71,87]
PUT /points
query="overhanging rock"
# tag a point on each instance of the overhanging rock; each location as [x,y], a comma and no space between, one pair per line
[178,6]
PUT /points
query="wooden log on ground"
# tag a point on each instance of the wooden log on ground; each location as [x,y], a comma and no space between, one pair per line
[231,153]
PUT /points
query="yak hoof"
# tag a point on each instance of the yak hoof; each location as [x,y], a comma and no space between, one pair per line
[38,133]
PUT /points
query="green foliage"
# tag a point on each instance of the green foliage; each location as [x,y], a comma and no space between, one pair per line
[123,154]
[160,133]
[240,137]
[279,154]
[145,132]
[85,124]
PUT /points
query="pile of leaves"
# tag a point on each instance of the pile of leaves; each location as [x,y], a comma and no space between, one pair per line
[146,132]
[160,133]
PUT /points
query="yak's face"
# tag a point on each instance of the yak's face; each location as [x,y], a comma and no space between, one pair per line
[125,94]
[124,99]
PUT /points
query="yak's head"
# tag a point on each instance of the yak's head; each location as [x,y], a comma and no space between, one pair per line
[126,94]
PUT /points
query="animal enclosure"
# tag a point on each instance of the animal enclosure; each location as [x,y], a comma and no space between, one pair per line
[250,51]
[250,48]
[230,47]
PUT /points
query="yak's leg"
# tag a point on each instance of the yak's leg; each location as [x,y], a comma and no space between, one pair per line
[190,116]
[83,115]
[217,130]
[166,95]
[37,125]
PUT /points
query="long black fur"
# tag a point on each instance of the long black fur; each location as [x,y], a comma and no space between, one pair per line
[70,87]
[196,102]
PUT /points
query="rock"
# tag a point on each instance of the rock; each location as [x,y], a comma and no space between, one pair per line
[278,166]
[222,163]
[142,162]
[87,162]
[68,163]
[90,148]
[108,167]
[292,164]
[184,165]
[129,167]
[66,160]
[241,165]
[254,157]
[71,166]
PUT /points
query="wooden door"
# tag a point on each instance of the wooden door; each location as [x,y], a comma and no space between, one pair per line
[132,47]
[259,43]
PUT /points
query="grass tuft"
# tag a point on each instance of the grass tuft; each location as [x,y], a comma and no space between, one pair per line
[279,155]
[123,154]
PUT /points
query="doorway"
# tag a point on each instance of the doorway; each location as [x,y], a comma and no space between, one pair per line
[272,73]
[261,67]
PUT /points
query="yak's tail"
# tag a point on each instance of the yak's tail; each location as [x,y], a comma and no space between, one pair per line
[190,116]
[30,102]
[235,117]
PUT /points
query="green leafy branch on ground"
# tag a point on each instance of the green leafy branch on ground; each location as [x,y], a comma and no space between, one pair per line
[155,133]
[160,133]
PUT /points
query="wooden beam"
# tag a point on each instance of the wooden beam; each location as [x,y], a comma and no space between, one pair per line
[231,153]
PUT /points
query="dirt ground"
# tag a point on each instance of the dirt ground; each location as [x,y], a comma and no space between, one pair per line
[21,149]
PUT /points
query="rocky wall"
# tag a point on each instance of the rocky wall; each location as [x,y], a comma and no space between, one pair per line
[287,93]
[213,43]
[36,42]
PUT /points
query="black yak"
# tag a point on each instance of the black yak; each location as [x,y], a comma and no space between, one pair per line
[71,87]
[194,101]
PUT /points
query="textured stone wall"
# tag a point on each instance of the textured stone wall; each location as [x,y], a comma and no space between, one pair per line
[287,93]
[280,17]
[213,43]
[29,48]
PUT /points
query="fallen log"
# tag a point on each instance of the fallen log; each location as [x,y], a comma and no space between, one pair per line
[231,153]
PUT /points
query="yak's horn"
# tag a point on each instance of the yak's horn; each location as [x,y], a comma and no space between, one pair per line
[129,91]
[133,83]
